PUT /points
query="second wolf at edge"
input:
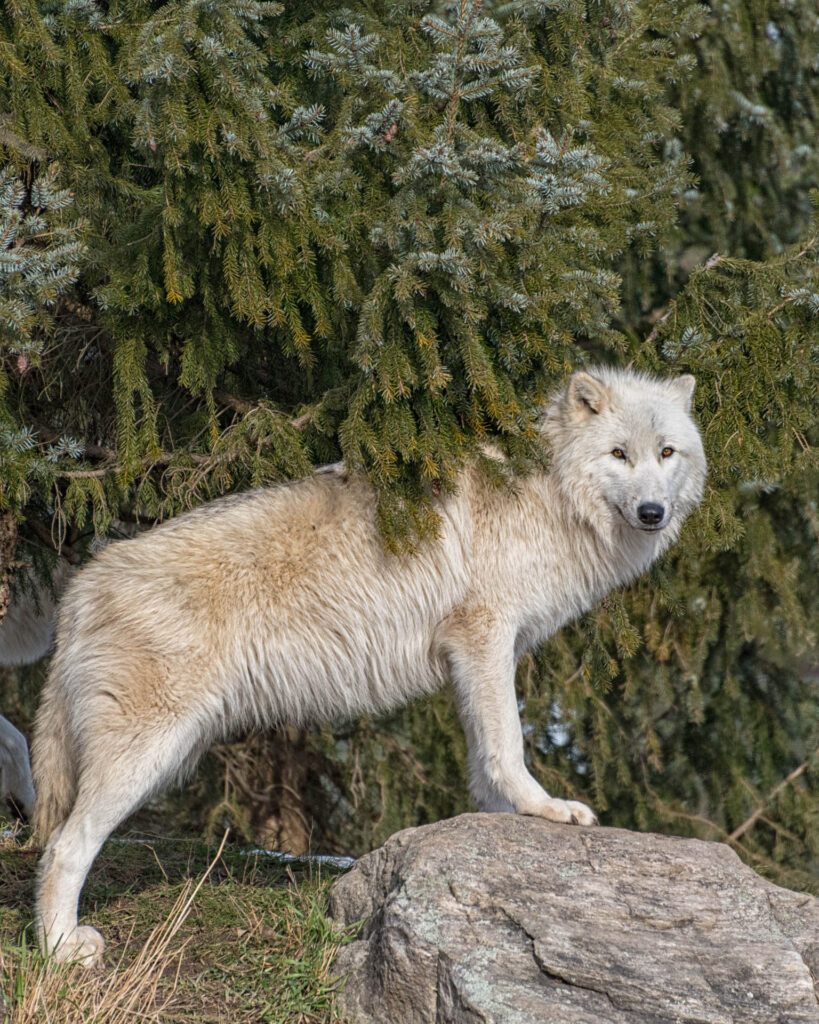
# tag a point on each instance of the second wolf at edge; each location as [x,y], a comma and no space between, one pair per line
[281,604]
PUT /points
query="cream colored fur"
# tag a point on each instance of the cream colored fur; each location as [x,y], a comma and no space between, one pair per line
[282,605]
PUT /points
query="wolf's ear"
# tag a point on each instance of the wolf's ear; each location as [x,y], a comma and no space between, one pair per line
[683,388]
[587,394]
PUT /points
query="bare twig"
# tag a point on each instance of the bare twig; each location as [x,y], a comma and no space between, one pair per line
[46,536]
[300,422]
[774,793]
[8,543]
[241,405]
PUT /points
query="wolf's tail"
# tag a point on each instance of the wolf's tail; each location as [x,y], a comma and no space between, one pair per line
[53,761]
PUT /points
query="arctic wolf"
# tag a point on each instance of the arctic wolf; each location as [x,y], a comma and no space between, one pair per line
[282,605]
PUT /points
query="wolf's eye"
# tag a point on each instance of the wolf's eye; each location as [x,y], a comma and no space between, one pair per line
[668,450]
[618,453]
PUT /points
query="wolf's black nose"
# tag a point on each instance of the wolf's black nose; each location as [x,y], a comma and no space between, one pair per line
[650,513]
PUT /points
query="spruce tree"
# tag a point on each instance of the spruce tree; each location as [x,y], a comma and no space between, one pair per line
[383,233]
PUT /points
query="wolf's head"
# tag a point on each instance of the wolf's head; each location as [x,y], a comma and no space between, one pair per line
[627,454]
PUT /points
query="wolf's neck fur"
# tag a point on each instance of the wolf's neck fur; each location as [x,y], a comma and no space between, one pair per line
[564,561]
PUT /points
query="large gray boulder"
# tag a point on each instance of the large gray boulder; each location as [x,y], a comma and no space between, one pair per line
[502,918]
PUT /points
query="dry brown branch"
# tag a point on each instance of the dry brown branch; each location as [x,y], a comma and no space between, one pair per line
[658,325]
[206,463]
[241,405]
[300,422]
[8,544]
[774,793]
[11,140]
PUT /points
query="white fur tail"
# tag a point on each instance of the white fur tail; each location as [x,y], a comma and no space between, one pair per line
[53,764]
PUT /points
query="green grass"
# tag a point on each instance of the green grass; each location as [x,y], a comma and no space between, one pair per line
[253,944]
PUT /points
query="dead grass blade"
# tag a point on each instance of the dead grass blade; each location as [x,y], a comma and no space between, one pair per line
[40,991]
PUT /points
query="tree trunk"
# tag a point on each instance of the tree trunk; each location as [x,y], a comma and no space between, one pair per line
[8,544]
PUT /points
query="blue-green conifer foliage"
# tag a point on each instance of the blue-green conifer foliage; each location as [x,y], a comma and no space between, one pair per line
[238,240]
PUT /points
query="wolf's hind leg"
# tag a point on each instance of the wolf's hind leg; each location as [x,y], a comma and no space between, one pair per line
[120,770]
[482,665]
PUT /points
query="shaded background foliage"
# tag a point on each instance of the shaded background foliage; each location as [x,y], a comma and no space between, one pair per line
[382,233]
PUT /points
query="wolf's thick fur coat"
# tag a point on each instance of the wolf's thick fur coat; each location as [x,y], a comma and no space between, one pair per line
[281,604]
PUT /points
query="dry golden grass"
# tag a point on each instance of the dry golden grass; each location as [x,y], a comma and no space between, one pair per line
[42,991]
[245,942]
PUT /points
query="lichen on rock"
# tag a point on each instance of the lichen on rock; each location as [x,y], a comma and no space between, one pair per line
[504,919]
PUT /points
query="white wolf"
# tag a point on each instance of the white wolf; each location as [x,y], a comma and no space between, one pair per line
[281,604]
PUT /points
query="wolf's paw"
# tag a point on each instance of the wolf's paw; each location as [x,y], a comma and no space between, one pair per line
[571,812]
[84,944]
[581,814]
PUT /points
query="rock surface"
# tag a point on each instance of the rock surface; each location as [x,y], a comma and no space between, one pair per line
[502,918]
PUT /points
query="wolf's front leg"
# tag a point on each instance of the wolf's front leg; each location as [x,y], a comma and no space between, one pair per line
[482,666]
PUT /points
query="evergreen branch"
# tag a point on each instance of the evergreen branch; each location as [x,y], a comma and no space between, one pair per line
[19,145]
[719,831]
[93,451]
[732,838]
[774,793]
[655,332]
[243,406]
[436,215]
[454,99]
[98,474]
[712,261]
[205,462]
